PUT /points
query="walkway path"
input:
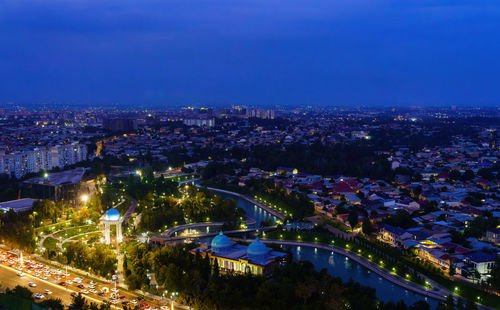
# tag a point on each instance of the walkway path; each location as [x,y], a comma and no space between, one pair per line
[188,181]
[164,238]
[337,232]
[438,292]
[74,238]
[255,202]
[172,231]
[130,210]
[54,236]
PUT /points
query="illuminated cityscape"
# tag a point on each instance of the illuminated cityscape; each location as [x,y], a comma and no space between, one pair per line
[241,155]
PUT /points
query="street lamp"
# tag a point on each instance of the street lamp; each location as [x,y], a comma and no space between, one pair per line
[85,198]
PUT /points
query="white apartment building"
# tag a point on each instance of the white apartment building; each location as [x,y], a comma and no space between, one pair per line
[19,164]
[200,122]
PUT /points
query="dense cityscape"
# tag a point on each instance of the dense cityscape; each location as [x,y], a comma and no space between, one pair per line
[250,208]
[249,155]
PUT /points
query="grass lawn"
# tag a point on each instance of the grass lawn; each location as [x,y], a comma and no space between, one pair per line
[53,227]
[178,178]
[76,231]
[50,244]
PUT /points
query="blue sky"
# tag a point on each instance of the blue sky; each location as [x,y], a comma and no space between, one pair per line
[299,52]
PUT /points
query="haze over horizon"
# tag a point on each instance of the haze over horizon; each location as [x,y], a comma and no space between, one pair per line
[252,52]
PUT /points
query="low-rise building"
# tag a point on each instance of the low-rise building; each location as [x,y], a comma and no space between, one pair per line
[256,259]
[19,205]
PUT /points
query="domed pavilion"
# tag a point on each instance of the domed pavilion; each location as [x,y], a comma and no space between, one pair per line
[230,256]
[112,217]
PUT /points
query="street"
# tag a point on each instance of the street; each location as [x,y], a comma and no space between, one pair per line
[62,286]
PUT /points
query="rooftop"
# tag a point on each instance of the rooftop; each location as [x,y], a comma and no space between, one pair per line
[60,178]
[18,205]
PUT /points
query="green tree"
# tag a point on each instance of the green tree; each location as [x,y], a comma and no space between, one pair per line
[495,275]
[470,305]
[420,305]
[475,275]
[468,175]
[22,292]
[353,218]
[367,227]
[452,270]
[79,302]
[449,304]
[455,175]
[52,304]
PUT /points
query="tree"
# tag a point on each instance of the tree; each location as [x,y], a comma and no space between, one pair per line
[470,305]
[79,302]
[468,175]
[52,304]
[495,275]
[449,304]
[420,305]
[452,270]
[22,292]
[353,218]
[475,275]
[455,175]
[417,191]
[367,227]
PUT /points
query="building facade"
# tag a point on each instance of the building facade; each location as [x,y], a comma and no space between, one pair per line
[256,259]
[19,164]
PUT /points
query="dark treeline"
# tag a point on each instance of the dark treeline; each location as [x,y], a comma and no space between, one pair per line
[295,203]
[17,230]
[192,204]
[347,159]
[200,285]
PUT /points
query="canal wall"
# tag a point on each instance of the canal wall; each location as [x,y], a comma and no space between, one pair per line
[439,294]
[255,202]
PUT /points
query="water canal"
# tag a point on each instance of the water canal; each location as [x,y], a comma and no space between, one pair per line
[337,265]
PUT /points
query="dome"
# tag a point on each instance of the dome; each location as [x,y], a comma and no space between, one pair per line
[257,249]
[221,242]
[112,215]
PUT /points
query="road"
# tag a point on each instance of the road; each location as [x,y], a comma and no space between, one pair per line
[10,279]
[9,269]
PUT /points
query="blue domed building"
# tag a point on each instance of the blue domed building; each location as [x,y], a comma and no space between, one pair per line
[257,250]
[255,258]
[112,215]
[221,243]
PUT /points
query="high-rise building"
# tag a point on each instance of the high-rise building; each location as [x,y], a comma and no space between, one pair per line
[120,124]
[259,113]
[19,164]
[200,121]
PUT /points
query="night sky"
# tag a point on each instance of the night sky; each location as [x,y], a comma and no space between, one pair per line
[250,52]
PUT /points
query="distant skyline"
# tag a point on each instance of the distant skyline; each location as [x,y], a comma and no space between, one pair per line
[162,53]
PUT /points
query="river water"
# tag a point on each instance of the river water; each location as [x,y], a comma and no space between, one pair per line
[337,265]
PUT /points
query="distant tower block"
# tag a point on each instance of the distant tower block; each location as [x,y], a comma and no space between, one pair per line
[112,217]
